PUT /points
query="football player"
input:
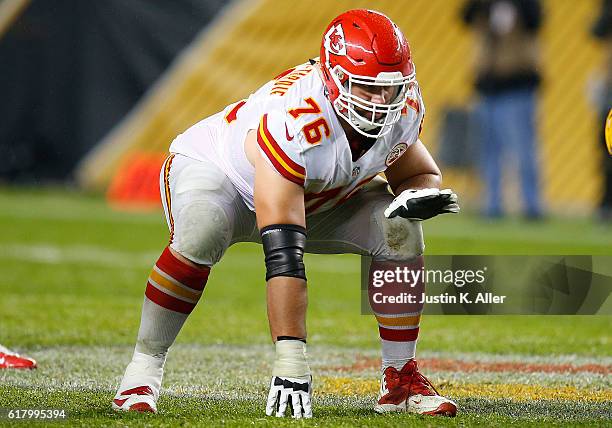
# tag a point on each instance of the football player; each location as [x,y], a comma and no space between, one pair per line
[296,166]
[12,360]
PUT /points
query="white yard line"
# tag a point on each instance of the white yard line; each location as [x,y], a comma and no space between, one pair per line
[76,212]
[218,369]
[54,254]
[48,253]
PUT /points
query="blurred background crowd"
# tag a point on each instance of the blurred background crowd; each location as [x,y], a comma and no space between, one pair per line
[516,91]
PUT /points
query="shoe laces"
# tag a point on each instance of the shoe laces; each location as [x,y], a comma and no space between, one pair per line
[409,375]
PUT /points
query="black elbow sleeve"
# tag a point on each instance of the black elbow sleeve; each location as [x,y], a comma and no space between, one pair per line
[283,246]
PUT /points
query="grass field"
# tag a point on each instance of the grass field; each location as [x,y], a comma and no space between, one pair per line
[72,282]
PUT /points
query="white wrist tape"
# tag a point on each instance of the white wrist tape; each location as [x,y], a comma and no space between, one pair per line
[291,359]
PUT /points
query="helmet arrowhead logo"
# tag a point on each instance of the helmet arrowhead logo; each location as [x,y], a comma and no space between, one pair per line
[334,40]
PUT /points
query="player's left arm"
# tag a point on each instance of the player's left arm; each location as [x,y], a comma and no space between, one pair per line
[415,180]
[415,169]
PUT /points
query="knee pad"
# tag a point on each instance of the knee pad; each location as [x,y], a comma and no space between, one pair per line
[403,238]
[203,232]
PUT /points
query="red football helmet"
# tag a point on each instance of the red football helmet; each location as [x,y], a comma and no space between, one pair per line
[365,47]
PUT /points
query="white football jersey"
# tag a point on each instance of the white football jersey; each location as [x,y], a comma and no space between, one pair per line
[301,136]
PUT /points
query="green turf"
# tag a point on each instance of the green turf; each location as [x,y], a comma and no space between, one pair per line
[73,274]
[89,408]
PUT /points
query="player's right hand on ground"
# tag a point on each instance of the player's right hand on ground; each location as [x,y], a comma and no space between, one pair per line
[422,204]
[292,393]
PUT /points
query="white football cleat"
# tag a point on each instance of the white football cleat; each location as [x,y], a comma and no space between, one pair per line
[407,390]
[139,389]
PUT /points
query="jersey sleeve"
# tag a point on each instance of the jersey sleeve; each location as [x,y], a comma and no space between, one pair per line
[281,149]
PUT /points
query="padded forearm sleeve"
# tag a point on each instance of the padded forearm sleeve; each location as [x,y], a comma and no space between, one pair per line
[283,246]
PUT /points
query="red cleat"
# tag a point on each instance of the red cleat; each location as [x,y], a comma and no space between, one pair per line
[139,389]
[407,390]
[140,399]
[11,360]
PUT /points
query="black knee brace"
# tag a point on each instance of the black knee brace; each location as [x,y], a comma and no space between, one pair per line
[284,250]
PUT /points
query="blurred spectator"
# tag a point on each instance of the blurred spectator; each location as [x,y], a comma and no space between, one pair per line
[507,78]
[602,29]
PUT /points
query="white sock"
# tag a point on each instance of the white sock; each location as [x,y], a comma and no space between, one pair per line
[397,354]
[158,329]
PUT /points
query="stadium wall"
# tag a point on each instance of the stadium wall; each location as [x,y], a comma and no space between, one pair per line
[253,41]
